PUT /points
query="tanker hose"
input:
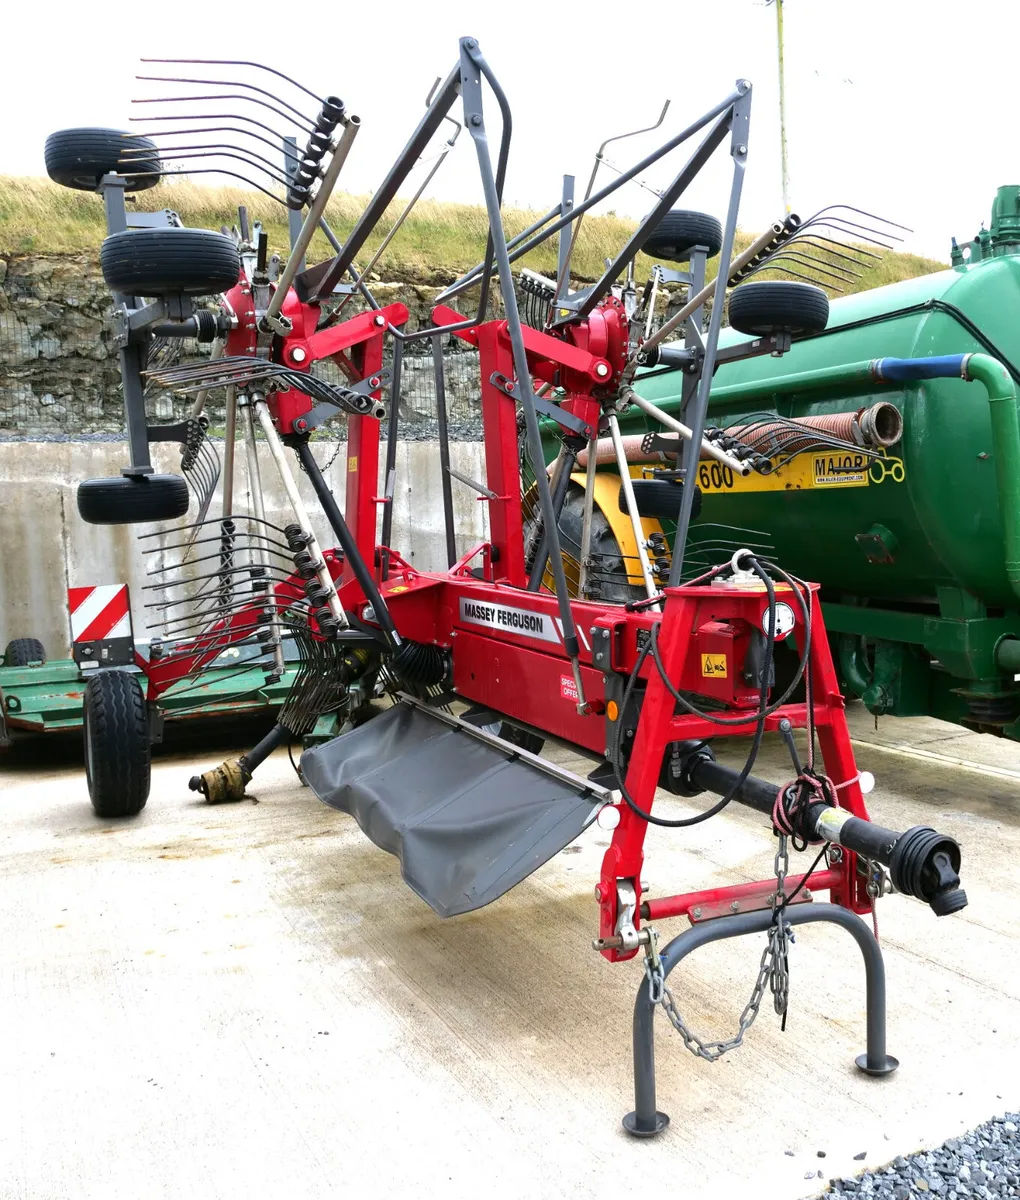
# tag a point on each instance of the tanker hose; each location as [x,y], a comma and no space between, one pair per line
[1006,447]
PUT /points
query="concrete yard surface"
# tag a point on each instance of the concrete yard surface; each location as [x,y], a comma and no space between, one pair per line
[247,1001]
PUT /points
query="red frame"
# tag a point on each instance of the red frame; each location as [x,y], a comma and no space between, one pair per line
[525,673]
[363,336]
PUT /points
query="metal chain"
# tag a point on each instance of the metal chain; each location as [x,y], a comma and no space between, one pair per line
[773,972]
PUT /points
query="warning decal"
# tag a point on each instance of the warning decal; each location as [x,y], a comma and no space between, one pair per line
[714,665]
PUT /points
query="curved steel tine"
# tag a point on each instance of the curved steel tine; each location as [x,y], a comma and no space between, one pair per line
[238,62]
[211,556]
[864,213]
[852,228]
[161,133]
[841,274]
[210,171]
[841,263]
[308,127]
[239,541]
[249,517]
[796,275]
[848,250]
[619,137]
[251,87]
[206,117]
[851,236]
[227,148]
[186,152]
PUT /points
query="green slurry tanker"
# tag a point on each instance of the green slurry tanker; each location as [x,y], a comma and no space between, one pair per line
[915,538]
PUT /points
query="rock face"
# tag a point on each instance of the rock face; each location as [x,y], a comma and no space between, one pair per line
[58,371]
[58,366]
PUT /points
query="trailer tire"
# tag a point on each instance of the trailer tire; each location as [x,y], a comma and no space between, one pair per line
[22,651]
[611,567]
[79,158]
[678,232]
[159,262]
[660,499]
[133,499]
[116,735]
[778,307]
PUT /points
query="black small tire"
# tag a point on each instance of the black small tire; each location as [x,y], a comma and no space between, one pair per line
[117,753]
[133,499]
[778,307]
[678,232]
[159,262]
[79,158]
[660,499]
[22,651]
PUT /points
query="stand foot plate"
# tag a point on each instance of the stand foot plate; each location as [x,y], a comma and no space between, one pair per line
[887,1068]
[631,1125]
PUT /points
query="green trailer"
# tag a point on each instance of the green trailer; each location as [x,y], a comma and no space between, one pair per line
[41,697]
[916,546]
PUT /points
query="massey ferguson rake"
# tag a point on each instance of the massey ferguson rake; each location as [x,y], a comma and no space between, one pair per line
[483,662]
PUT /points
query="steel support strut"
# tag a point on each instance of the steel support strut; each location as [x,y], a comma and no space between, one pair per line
[473,66]
[646,1121]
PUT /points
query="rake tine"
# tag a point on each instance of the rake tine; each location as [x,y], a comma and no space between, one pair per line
[294,113]
[840,274]
[239,62]
[825,244]
[863,213]
[217,150]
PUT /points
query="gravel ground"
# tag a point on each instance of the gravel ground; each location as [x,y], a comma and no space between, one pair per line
[984,1163]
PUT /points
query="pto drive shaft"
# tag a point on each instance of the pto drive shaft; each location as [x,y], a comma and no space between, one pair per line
[922,863]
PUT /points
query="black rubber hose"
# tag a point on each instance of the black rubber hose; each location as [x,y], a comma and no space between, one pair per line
[759,732]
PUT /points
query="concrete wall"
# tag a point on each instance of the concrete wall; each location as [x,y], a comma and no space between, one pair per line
[45,547]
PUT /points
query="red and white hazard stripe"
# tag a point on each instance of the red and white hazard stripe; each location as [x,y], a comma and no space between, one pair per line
[99,613]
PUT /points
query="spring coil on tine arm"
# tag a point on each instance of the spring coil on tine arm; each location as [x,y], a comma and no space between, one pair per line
[319,142]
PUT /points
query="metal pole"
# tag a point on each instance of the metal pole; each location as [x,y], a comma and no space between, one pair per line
[290,164]
[360,569]
[472,67]
[130,356]
[227,530]
[258,504]
[229,437]
[444,449]
[660,415]
[645,1120]
[782,108]
[198,405]
[738,152]
[589,505]
[695,302]
[632,512]
[566,240]
[311,224]
[466,280]
[392,429]
[294,496]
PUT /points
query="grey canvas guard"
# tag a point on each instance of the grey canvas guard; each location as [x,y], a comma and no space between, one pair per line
[467,820]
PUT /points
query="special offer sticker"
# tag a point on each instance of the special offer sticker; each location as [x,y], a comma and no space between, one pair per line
[568,688]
